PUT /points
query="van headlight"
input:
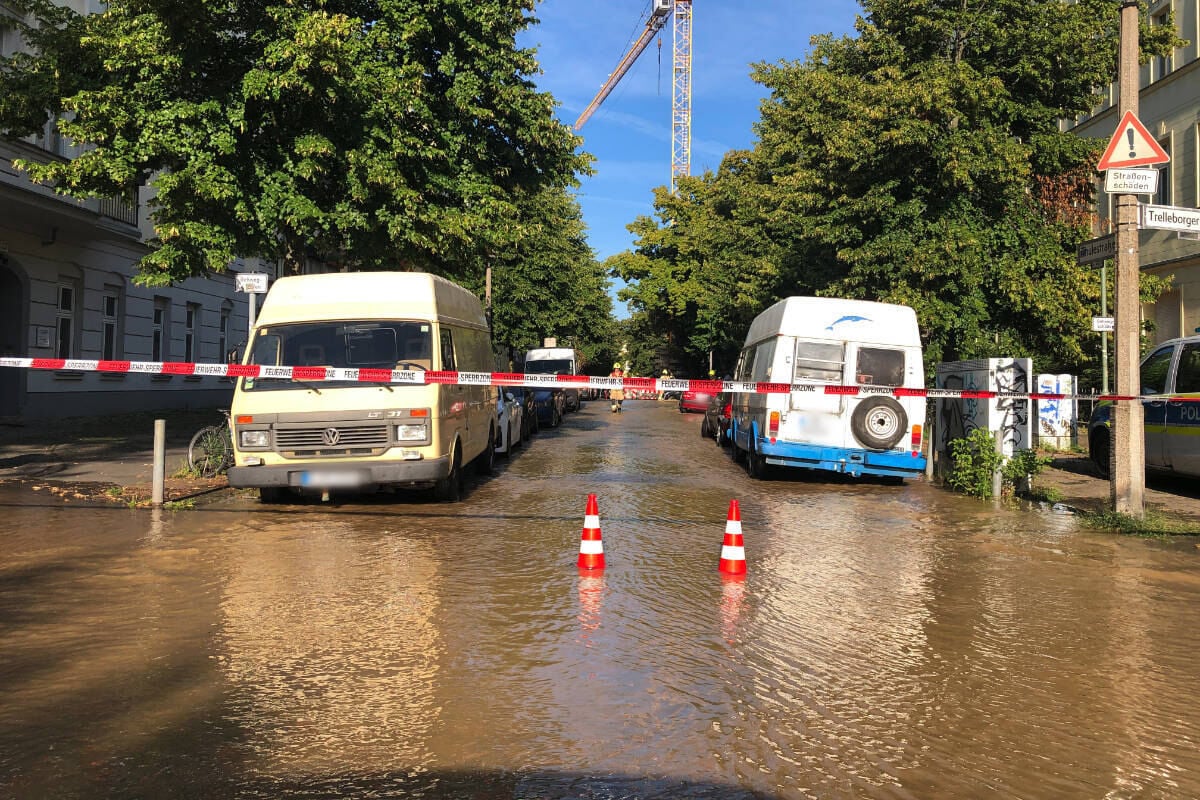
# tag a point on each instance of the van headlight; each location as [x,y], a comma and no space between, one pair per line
[254,438]
[411,432]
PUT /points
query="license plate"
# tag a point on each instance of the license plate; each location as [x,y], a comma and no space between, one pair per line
[332,479]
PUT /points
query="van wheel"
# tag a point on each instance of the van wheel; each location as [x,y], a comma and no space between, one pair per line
[272,495]
[738,454]
[1098,450]
[449,489]
[756,464]
[705,432]
[486,463]
[878,423]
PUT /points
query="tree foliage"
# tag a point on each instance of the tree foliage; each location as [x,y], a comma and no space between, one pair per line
[550,284]
[918,161]
[366,134]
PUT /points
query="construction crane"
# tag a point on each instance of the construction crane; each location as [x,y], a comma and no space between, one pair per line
[681,80]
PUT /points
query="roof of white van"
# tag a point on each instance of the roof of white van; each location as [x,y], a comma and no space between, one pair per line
[369,295]
[549,353]
[837,318]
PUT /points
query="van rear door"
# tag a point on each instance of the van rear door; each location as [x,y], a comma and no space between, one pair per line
[881,422]
[815,417]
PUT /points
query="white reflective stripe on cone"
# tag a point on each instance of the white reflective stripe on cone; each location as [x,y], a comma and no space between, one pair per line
[591,521]
[732,553]
[733,526]
[591,547]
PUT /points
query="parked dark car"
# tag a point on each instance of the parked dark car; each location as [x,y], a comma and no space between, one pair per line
[549,405]
[529,419]
[717,416]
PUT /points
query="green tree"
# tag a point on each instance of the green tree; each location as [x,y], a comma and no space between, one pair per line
[550,284]
[366,134]
[918,161]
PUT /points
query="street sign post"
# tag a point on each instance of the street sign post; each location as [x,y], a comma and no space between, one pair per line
[1097,249]
[1169,218]
[1131,181]
[1131,146]
[253,284]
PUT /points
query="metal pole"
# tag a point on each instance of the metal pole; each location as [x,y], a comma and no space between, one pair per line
[1128,482]
[250,315]
[159,478]
[1104,334]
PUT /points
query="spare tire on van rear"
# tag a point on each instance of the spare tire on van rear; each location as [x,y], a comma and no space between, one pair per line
[878,423]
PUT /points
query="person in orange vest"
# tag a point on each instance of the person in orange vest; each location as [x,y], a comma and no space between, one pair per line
[617,396]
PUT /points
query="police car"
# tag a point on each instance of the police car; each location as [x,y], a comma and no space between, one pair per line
[1170,386]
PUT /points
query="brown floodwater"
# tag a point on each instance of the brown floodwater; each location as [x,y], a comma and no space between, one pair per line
[886,642]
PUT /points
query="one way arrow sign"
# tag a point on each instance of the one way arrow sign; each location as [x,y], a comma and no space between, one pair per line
[1132,146]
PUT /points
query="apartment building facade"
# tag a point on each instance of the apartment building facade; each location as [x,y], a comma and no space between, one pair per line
[67,291]
[1169,107]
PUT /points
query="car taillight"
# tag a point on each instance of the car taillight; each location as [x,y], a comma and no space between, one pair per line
[728,412]
[916,440]
[773,426]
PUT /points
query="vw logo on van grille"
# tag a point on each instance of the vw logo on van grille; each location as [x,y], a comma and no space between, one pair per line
[331,436]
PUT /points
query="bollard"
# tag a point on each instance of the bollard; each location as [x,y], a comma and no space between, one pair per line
[160,460]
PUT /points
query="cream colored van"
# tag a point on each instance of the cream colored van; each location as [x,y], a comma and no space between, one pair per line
[292,435]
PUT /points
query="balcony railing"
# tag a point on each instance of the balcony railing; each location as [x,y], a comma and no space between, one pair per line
[122,209]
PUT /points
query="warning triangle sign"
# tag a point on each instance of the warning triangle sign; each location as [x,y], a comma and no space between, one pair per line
[1132,146]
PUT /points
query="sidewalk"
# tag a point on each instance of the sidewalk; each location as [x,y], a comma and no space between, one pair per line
[103,458]
[1082,488]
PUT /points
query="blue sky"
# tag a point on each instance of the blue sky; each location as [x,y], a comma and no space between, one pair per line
[579,43]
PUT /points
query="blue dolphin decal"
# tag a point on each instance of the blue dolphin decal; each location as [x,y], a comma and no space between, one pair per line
[847,319]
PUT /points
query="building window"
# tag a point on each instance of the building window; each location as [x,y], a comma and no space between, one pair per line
[159,329]
[191,324]
[223,336]
[1162,64]
[64,346]
[1163,196]
[110,326]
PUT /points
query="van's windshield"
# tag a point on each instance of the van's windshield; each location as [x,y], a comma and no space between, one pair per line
[551,366]
[354,344]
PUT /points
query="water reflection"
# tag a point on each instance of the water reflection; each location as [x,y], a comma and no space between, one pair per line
[329,646]
[885,642]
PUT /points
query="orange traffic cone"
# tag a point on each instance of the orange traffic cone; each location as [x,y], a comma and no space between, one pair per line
[733,554]
[591,548]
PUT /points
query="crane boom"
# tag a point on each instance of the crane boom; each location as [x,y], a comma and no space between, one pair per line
[653,26]
[681,81]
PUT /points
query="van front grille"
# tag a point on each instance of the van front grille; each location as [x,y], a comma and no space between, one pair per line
[332,439]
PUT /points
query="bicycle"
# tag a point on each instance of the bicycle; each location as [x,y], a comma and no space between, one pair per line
[210,452]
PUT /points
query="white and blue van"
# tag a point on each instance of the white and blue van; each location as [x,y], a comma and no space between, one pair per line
[818,341]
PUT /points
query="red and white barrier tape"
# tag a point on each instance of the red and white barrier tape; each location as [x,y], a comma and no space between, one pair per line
[422,378]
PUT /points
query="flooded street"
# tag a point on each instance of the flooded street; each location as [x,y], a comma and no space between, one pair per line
[887,641]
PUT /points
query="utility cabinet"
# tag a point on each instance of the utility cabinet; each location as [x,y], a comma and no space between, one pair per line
[955,418]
